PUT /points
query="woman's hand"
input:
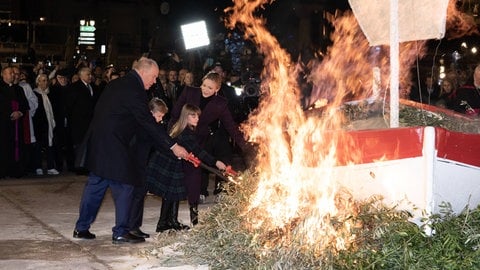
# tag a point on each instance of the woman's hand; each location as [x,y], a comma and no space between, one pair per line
[220,165]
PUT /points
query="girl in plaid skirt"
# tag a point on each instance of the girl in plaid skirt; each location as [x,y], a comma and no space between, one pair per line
[165,175]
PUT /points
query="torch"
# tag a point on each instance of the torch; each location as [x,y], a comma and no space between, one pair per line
[226,174]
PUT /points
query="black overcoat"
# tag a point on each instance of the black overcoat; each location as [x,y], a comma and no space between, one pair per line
[80,105]
[121,112]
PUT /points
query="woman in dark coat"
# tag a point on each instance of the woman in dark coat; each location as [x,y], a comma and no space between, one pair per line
[165,172]
[214,110]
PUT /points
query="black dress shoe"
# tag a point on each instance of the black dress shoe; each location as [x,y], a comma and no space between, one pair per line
[127,238]
[83,234]
[139,233]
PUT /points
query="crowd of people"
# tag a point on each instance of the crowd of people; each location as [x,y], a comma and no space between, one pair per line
[458,91]
[131,133]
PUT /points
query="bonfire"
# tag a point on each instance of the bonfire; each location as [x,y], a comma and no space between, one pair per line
[289,211]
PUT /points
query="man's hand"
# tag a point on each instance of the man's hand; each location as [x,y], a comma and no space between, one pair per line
[179,151]
[16,115]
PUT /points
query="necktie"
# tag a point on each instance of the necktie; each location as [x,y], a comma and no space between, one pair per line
[90,88]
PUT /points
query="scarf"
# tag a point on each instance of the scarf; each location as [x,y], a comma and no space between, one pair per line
[48,111]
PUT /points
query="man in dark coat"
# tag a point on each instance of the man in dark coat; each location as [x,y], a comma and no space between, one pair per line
[58,94]
[81,98]
[113,157]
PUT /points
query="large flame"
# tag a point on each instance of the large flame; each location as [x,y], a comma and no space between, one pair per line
[298,192]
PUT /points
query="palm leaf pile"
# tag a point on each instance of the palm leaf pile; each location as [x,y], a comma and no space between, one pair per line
[384,237]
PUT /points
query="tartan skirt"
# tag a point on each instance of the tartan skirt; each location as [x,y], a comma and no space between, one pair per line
[165,177]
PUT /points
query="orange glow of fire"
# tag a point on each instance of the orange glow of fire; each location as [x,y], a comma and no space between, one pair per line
[298,195]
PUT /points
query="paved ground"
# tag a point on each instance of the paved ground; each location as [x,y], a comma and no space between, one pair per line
[37,217]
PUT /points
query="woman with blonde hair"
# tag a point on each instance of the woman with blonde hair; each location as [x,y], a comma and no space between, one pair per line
[446,97]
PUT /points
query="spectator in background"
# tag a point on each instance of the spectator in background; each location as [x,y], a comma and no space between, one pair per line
[44,125]
[162,79]
[58,98]
[122,72]
[80,103]
[108,73]
[189,79]
[468,96]
[173,86]
[20,78]
[99,79]
[447,95]
[13,107]
[181,77]
[159,90]
[75,78]
[429,90]
[228,92]
[462,77]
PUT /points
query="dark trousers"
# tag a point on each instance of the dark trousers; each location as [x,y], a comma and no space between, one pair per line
[59,145]
[49,153]
[92,198]
[30,156]
[136,209]
[69,153]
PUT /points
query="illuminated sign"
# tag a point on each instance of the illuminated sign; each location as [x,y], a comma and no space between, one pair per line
[87,32]
[87,28]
